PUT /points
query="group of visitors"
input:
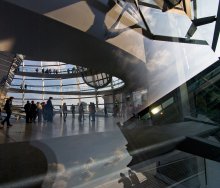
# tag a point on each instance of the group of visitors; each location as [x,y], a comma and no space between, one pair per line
[64,110]
[44,111]
[39,110]
[54,71]
[69,70]
[48,71]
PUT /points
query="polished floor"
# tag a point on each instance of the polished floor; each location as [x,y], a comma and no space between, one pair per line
[21,131]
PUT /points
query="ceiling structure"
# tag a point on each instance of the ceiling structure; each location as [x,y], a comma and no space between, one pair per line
[51,31]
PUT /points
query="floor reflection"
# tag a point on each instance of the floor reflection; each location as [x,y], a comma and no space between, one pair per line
[83,154]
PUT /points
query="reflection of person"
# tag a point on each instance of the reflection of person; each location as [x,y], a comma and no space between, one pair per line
[134,179]
[125,180]
[8,110]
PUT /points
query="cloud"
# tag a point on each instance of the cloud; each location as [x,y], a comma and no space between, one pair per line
[57,176]
[118,156]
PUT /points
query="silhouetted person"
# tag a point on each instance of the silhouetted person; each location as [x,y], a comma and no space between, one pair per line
[105,111]
[125,180]
[73,110]
[43,70]
[27,109]
[33,111]
[93,112]
[64,111]
[25,86]
[81,112]
[134,179]
[49,109]
[8,110]
[61,111]
[90,111]
[36,70]
[73,69]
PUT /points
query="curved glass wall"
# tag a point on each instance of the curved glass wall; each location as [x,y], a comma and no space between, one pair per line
[63,90]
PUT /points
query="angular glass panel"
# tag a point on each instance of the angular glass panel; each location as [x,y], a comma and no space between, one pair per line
[167,24]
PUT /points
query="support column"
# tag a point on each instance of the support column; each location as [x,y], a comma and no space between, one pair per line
[97,100]
[23,84]
[43,89]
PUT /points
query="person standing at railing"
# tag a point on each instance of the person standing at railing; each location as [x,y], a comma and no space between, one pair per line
[8,110]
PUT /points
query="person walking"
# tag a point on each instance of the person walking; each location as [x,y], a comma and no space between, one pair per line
[8,110]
